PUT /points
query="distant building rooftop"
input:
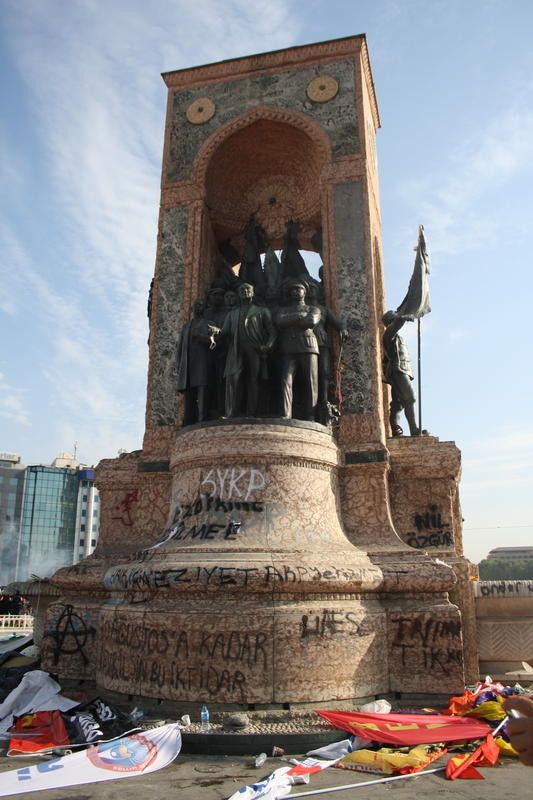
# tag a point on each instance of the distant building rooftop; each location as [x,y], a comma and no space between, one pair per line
[511,553]
[9,459]
[65,460]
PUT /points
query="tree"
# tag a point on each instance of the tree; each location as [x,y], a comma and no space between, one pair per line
[493,569]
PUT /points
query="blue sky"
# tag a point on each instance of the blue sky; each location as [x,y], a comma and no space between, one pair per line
[81,141]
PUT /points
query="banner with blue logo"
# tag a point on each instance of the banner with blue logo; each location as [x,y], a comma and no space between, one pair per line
[124,757]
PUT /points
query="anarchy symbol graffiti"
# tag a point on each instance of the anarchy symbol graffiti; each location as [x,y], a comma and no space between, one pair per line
[70,634]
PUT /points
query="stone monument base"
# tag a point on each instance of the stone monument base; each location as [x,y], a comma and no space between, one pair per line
[252,594]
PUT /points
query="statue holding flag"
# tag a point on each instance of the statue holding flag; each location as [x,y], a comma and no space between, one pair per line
[397,371]
[396,361]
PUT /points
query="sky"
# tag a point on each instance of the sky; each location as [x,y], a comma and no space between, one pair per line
[81,138]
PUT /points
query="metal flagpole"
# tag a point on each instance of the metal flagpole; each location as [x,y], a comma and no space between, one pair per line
[419,381]
[370,783]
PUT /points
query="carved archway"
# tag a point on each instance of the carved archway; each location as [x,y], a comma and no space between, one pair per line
[266,163]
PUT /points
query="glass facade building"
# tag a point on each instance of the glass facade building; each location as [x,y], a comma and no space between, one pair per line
[11,493]
[48,525]
[49,516]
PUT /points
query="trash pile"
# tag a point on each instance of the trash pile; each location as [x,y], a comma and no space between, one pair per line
[474,721]
[472,728]
[94,741]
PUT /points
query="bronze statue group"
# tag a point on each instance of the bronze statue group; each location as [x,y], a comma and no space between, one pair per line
[258,345]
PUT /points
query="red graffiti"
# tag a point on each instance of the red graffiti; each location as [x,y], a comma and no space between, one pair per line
[125,508]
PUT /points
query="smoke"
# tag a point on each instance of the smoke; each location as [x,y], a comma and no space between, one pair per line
[46,565]
[41,565]
[8,551]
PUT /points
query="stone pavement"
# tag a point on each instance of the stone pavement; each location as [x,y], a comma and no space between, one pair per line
[197,777]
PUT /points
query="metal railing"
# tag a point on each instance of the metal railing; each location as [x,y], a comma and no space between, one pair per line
[19,623]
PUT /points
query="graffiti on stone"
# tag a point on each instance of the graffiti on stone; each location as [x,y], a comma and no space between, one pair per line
[504,588]
[124,508]
[233,483]
[183,661]
[145,578]
[69,631]
[431,530]
[427,644]
[330,623]
[226,502]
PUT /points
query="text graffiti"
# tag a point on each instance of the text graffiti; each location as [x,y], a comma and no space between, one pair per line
[330,623]
[184,661]
[433,645]
[234,482]
[431,530]
[124,578]
[510,588]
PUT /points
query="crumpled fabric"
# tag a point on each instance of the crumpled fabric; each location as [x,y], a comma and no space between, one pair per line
[393,762]
[337,750]
[37,691]
[491,710]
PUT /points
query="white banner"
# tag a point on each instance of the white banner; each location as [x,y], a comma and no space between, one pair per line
[37,691]
[124,757]
[280,783]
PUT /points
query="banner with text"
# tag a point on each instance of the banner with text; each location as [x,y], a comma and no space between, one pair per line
[406,729]
[120,758]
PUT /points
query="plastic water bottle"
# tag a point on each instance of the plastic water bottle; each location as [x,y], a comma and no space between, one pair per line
[204,718]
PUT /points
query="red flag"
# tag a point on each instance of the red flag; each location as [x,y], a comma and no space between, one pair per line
[406,729]
[462,766]
[36,733]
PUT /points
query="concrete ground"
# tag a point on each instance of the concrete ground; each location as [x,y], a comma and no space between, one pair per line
[198,777]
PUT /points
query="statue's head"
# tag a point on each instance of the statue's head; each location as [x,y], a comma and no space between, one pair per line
[215,297]
[246,291]
[388,317]
[230,298]
[198,307]
[297,289]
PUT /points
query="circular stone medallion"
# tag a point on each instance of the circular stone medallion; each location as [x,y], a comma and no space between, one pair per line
[322,89]
[200,111]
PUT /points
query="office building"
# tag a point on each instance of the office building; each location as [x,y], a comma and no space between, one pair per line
[49,516]
[511,554]
[12,474]
[87,514]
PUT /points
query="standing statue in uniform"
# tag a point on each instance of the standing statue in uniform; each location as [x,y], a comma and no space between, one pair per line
[194,363]
[299,351]
[215,312]
[327,318]
[398,373]
[250,334]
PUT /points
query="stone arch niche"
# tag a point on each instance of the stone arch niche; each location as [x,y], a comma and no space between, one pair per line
[267,164]
[244,562]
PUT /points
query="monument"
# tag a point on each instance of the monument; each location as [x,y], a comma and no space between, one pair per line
[263,554]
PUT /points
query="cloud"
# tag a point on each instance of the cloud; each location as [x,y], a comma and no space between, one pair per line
[12,405]
[474,172]
[500,473]
[509,440]
[82,259]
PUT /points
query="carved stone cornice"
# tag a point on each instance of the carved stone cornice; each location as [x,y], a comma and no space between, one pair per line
[296,57]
